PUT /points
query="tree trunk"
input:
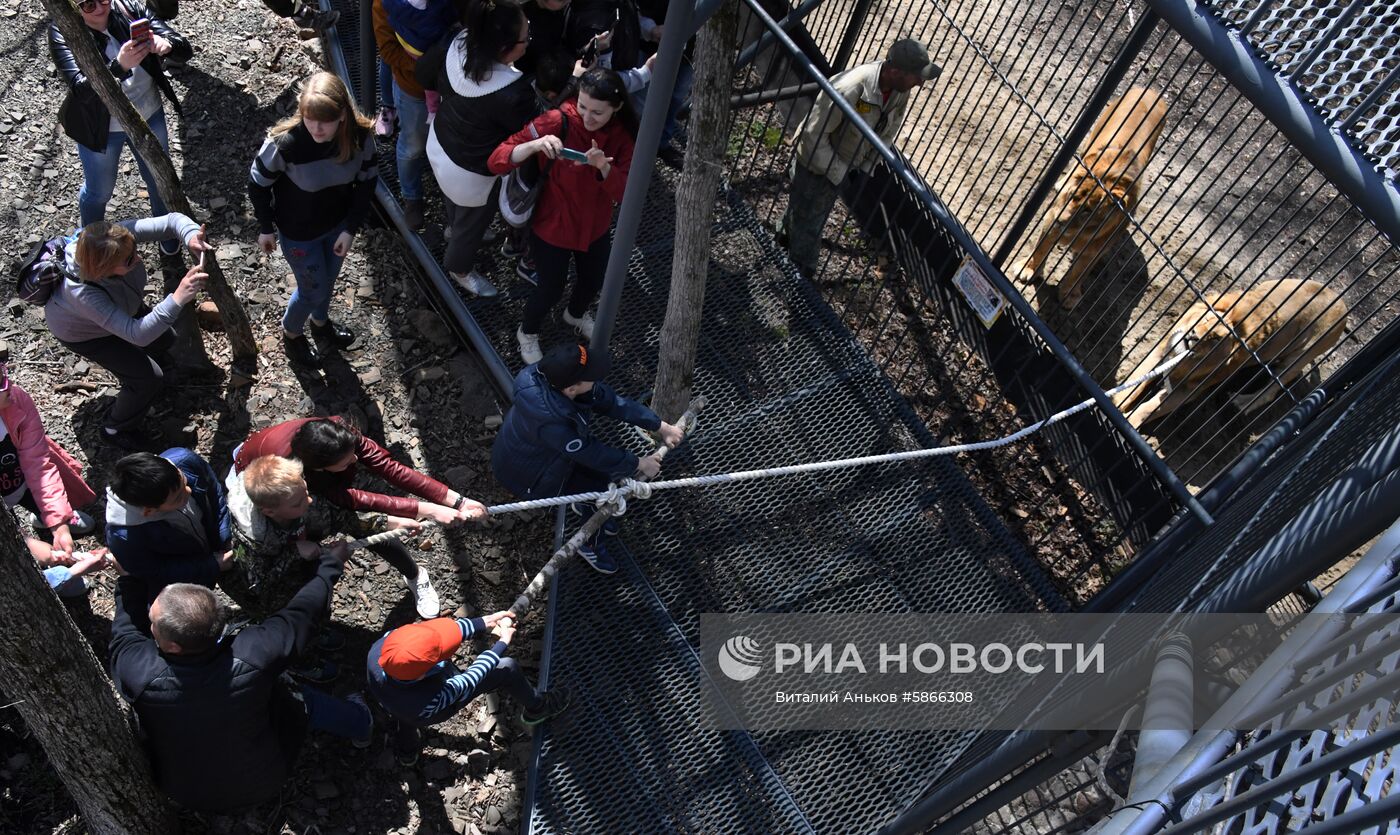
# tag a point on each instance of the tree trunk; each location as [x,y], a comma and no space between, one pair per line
[75,32]
[695,204]
[68,702]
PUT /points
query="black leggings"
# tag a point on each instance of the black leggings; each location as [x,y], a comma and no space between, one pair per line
[396,554]
[136,367]
[552,267]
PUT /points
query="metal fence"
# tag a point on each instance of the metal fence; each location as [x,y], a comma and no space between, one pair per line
[1224,208]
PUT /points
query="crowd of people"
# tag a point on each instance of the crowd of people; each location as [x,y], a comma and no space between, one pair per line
[476,89]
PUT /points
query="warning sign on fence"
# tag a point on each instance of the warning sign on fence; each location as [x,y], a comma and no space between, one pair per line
[986,301]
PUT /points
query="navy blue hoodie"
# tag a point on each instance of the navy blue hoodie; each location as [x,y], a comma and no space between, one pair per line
[182,546]
[545,434]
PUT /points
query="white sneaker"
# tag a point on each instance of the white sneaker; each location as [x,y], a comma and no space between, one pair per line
[475,283]
[529,346]
[425,597]
[583,324]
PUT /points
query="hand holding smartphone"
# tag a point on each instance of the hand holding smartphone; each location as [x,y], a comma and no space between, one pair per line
[141,30]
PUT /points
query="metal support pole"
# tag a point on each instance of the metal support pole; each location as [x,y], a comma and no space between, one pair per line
[921,192]
[629,217]
[369,58]
[770,96]
[1283,104]
[1167,714]
[853,30]
[1098,100]
[703,10]
[1266,684]
[753,50]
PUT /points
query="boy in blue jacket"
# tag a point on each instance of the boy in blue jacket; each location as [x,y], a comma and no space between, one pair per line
[411,673]
[546,447]
[167,519]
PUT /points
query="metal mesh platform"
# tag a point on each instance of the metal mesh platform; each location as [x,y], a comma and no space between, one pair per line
[1344,58]
[786,383]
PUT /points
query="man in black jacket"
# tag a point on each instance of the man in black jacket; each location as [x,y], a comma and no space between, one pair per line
[222,724]
[139,68]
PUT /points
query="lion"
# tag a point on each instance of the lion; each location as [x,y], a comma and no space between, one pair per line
[1085,216]
[1284,324]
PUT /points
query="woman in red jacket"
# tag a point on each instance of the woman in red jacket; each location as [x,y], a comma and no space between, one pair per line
[574,210]
[330,450]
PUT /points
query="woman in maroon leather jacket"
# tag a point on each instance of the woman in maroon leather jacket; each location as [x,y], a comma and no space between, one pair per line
[332,451]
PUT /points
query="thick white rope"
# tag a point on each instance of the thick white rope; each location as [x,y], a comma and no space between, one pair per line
[618,493]
[615,497]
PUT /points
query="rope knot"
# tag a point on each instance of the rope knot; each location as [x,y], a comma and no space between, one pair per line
[616,495]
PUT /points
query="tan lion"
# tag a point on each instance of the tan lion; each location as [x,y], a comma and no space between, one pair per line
[1286,324]
[1085,217]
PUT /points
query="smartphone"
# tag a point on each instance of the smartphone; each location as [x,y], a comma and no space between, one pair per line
[201,259]
[576,156]
[141,30]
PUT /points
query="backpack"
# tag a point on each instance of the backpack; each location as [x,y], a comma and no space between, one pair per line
[42,270]
[522,186]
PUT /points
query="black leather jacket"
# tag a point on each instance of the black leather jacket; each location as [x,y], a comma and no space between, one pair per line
[83,115]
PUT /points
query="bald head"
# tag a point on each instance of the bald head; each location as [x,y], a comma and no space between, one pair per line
[186,619]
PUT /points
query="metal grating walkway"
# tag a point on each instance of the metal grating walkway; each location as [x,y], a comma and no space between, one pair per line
[1344,56]
[786,382]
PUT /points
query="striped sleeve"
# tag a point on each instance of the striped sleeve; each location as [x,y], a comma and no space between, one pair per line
[268,167]
[461,688]
[362,193]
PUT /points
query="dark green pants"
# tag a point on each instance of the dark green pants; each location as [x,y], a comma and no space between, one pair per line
[809,203]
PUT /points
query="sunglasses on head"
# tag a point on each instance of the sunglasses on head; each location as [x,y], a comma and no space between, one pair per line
[131,259]
[90,6]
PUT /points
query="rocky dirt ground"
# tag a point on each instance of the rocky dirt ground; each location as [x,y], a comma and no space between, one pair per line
[407,381]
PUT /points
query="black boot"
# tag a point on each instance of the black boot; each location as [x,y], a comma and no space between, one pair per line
[334,333]
[301,351]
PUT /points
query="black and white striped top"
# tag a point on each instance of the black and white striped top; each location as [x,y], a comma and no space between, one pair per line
[299,188]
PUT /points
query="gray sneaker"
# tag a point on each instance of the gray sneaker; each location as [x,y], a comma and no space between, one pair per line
[475,283]
[529,346]
[425,597]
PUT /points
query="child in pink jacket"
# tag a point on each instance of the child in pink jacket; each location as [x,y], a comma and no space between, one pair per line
[37,473]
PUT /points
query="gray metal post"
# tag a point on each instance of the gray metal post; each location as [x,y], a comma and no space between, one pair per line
[1098,100]
[629,217]
[369,55]
[853,29]
[1288,108]
[753,50]
[1167,714]
[955,230]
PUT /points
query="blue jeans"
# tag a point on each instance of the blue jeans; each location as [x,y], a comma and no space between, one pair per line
[100,173]
[315,266]
[411,148]
[685,79]
[335,716]
[386,83]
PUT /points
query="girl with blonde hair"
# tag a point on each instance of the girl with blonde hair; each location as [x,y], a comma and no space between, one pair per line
[311,185]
